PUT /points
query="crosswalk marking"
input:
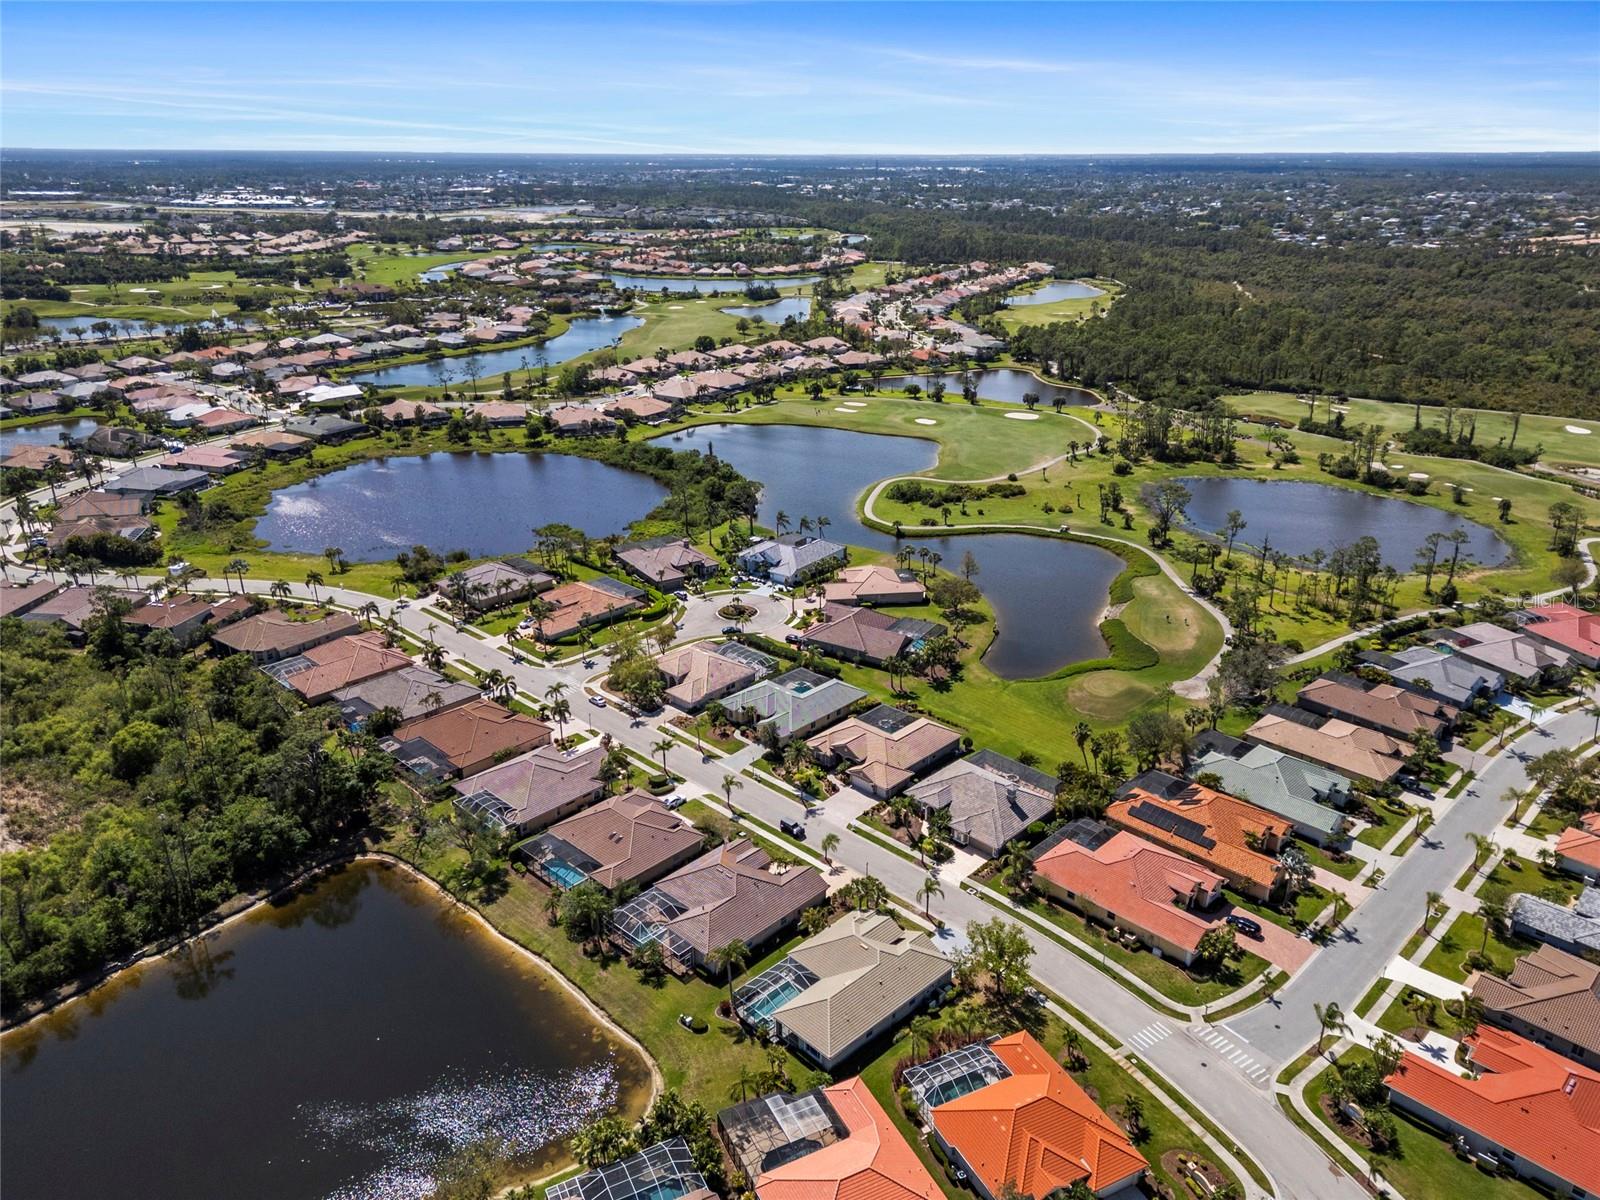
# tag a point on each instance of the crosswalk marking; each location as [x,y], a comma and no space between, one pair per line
[1150,1035]
[1235,1054]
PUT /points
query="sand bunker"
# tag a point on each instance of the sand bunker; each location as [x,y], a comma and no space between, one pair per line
[1022,416]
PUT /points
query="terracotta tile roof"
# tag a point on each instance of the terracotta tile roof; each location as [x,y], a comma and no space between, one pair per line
[1349,749]
[1036,1128]
[338,664]
[1529,1100]
[697,672]
[1383,706]
[1551,990]
[1581,843]
[885,758]
[1228,824]
[1139,883]
[874,583]
[871,1162]
[271,632]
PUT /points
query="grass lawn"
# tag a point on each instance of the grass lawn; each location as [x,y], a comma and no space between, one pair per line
[1520,875]
[1318,857]
[1016,316]
[1397,1019]
[1463,938]
[1381,832]
[701,727]
[1167,977]
[1307,906]
[1423,1166]
[1107,1082]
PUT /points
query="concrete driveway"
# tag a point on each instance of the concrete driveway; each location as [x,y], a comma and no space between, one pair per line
[1279,946]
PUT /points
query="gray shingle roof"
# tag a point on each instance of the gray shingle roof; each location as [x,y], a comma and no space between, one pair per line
[1576,929]
[990,801]
[795,700]
[1278,782]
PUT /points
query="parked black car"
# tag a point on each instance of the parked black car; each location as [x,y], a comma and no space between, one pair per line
[794,829]
[1245,925]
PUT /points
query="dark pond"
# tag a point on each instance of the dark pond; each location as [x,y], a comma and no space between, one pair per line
[1004,384]
[1059,290]
[583,335]
[485,504]
[706,285]
[45,433]
[120,326]
[1298,517]
[335,1046]
[774,312]
[1048,594]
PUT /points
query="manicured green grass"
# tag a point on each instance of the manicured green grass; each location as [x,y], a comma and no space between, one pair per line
[1318,857]
[1398,1019]
[1549,432]
[1167,977]
[1521,875]
[1016,316]
[1381,832]
[1424,1167]
[1464,936]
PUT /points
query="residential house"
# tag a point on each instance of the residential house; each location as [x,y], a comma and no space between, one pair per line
[665,1169]
[1234,838]
[874,584]
[412,412]
[1385,707]
[499,413]
[588,602]
[868,636]
[275,443]
[626,839]
[837,991]
[214,460]
[327,428]
[526,794]
[1303,793]
[794,557]
[698,673]
[17,599]
[1578,848]
[155,483]
[667,564]
[1537,1112]
[1566,628]
[270,636]
[884,748]
[115,441]
[1514,654]
[464,740]
[991,799]
[677,391]
[186,618]
[1125,882]
[411,691]
[794,704]
[1551,997]
[577,420]
[222,420]
[831,1143]
[322,670]
[1018,1120]
[499,583]
[74,607]
[1575,930]
[37,458]
[1438,676]
[734,892]
[1354,751]
[643,410]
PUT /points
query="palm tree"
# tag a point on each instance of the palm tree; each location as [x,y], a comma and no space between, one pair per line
[1072,1042]
[560,710]
[780,522]
[830,843]
[929,889]
[280,591]
[1419,1006]
[314,581]
[1018,866]
[1481,845]
[433,656]
[730,960]
[729,786]
[743,1082]
[920,1033]
[1330,1019]
[1493,915]
[368,611]
[235,566]
[661,748]
[1082,735]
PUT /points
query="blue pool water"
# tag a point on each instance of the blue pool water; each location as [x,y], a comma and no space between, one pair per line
[567,876]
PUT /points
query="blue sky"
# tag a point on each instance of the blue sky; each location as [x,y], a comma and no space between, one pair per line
[956,78]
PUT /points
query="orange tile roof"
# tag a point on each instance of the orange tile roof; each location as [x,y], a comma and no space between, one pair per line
[1036,1128]
[1581,843]
[1542,1107]
[872,1162]
[338,664]
[1135,881]
[1226,820]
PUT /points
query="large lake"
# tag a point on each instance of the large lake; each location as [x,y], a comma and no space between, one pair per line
[45,433]
[774,312]
[1051,292]
[583,335]
[485,504]
[336,1046]
[704,284]
[1048,594]
[1005,384]
[1298,517]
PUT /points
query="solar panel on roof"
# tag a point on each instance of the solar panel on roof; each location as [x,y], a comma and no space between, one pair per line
[1171,822]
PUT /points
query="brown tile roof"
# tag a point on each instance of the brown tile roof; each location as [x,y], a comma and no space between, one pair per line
[669,564]
[1548,989]
[340,663]
[697,672]
[474,734]
[1349,749]
[1036,1128]
[886,760]
[1141,884]
[538,784]
[276,633]
[875,583]
[16,598]
[729,893]
[1529,1100]
[1383,706]
[631,836]
[98,504]
[1228,824]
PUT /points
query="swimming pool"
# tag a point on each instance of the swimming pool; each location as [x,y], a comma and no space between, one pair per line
[563,873]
